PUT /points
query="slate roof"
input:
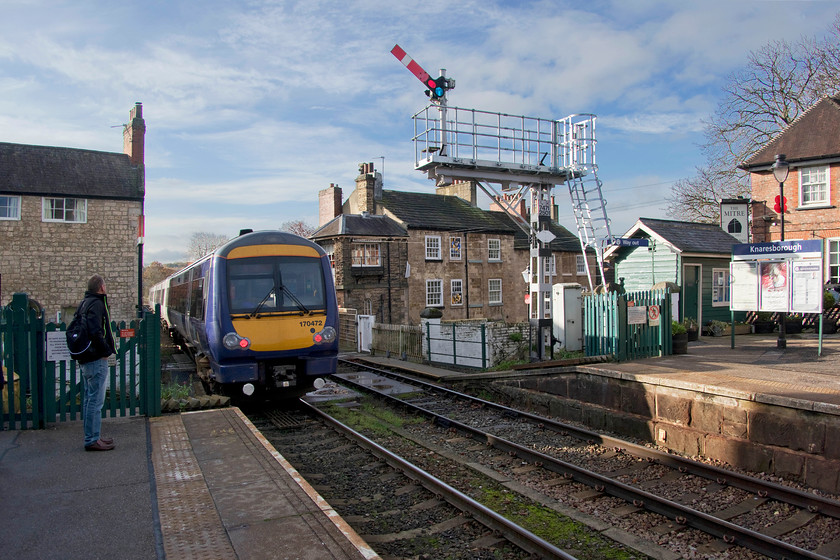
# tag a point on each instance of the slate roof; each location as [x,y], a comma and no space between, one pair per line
[442,213]
[50,171]
[360,225]
[686,237]
[815,134]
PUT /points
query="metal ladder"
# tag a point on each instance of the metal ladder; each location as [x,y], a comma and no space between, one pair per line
[590,210]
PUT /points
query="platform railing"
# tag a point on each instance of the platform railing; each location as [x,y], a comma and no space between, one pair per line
[471,134]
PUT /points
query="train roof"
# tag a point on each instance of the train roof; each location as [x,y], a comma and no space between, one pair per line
[269,237]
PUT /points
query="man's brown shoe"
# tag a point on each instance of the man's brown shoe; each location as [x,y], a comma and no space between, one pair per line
[106,440]
[99,445]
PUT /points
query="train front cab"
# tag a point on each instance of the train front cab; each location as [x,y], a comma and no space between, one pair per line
[278,319]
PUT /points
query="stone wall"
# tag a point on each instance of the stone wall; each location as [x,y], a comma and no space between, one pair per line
[474,269]
[52,261]
[793,443]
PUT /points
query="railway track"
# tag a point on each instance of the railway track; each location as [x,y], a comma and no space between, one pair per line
[687,507]
[402,511]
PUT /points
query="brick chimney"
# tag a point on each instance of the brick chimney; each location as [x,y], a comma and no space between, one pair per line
[329,204]
[511,200]
[368,189]
[134,135]
[463,189]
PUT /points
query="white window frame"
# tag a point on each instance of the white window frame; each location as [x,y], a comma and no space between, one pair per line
[365,255]
[12,205]
[455,248]
[832,260]
[494,287]
[808,180]
[48,213]
[456,292]
[580,265]
[433,252]
[434,292]
[494,250]
[721,293]
[551,266]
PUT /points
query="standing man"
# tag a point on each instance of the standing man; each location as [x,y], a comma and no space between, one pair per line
[95,365]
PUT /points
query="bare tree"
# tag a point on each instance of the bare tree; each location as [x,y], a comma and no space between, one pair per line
[153,273]
[779,82]
[298,227]
[202,242]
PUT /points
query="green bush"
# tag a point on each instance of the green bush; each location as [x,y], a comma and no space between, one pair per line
[677,328]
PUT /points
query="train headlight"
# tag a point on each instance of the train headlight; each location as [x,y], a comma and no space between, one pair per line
[325,336]
[233,341]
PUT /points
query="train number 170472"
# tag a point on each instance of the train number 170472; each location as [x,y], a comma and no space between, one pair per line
[311,323]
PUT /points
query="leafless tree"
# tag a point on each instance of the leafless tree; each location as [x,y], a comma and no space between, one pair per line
[153,273]
[779,82]
[202,242]
[298,227]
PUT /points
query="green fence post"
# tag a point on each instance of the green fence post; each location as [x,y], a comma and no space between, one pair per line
[621,340]
[483,345]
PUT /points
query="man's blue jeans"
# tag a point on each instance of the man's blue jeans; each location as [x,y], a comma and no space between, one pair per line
[95,375]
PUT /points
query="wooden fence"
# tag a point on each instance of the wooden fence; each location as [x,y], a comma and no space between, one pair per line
[44,384]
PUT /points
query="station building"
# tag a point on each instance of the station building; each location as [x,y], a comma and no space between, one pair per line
[68,213]
[811,145]
[396,253]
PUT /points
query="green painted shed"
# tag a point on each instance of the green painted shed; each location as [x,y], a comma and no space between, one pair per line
[693,256]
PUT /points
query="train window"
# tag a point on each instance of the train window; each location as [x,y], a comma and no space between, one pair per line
[275,284]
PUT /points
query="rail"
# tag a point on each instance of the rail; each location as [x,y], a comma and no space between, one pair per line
[502,139]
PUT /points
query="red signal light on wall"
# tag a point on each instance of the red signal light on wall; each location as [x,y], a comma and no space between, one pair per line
[781,205]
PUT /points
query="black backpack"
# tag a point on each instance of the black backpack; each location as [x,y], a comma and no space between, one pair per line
[78,339]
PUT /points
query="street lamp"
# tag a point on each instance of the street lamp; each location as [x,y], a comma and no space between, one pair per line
[781,168]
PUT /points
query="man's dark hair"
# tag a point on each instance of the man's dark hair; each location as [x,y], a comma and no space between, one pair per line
[95,282]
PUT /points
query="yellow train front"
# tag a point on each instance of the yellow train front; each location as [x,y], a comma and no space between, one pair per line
[259,315]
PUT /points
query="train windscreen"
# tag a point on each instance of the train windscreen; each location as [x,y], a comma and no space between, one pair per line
[260,285]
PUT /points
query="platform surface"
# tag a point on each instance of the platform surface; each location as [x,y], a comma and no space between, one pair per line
[181,486]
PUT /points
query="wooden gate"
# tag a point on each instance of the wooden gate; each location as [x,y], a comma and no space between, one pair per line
[43,385]
[628,326]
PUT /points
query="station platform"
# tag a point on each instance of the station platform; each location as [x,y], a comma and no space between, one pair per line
[193,485]
[801,376]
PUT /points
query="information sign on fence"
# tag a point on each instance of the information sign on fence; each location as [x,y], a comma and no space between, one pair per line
[637,314]
[57,350]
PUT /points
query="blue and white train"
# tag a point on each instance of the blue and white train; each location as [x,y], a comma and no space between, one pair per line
[259,315]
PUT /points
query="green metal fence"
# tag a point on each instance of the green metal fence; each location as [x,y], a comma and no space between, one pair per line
[44,385]
[628,326]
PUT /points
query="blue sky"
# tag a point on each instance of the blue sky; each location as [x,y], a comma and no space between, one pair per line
[253,106]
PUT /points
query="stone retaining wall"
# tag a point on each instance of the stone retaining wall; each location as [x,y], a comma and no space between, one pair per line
[792,443]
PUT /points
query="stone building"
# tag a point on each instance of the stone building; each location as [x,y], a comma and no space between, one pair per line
[811,145]
[429,250]
[67,213]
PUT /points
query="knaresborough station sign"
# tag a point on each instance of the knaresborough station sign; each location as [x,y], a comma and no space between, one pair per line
[780,277]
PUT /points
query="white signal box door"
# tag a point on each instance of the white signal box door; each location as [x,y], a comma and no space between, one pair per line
[567,315]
